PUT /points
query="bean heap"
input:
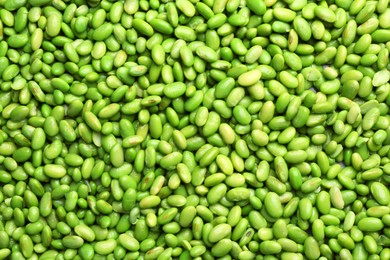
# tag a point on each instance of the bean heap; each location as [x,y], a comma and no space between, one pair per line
[188,129]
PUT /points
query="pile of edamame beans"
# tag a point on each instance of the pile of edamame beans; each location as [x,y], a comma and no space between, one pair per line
[194,129]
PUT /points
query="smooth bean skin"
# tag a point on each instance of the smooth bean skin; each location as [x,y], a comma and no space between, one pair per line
[273,205]
[372,224]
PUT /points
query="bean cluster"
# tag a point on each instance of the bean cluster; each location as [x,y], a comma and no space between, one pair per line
[194,129]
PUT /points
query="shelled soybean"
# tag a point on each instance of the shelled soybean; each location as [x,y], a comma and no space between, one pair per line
[191,129]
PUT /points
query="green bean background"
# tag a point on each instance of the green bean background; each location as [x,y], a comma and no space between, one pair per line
[194,129]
